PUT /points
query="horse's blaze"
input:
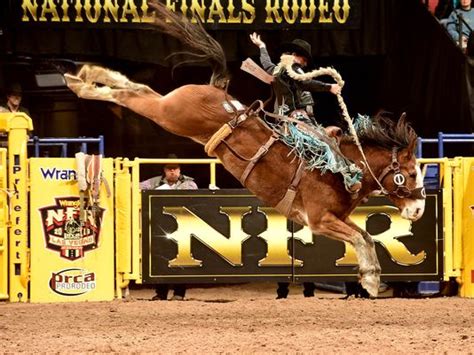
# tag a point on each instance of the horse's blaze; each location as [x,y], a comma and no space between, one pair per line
[413,209]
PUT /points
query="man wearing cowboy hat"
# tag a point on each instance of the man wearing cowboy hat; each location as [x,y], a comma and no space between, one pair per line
[293,96]
[13,100]
[172,179]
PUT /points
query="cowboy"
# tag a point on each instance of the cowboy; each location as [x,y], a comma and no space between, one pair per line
[293,97]
[14,95]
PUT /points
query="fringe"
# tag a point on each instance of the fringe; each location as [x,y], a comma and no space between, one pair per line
[318,154]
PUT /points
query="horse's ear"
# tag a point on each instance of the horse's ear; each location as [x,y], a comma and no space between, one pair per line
[411,149]
[401,124]
[408,152]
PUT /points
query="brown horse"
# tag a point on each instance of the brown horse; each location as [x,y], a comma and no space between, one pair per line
[317,200]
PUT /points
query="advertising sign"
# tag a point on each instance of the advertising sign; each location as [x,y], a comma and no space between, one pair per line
[72,256]
[229,236]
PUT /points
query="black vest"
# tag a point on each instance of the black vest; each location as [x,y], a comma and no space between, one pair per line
[288,92]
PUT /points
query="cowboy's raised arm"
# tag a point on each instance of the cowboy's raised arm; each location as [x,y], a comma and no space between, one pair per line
[265,59]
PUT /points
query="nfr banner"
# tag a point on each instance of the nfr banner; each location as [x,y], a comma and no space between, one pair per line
[214,14]
[72,257]
[229,236]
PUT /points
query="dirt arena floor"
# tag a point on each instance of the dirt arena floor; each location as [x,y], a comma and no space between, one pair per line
[241,319]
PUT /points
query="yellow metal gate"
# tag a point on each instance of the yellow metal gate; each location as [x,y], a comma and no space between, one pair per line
[3,225]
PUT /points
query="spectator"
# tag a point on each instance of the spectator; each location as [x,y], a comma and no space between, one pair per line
[172,179]
[466,24]
[14,96]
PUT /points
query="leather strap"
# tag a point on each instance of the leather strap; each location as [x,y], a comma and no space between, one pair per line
[285,204]
[254,160]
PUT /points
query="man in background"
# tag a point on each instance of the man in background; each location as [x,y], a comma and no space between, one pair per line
[171,179]
[13,96]
[466,12]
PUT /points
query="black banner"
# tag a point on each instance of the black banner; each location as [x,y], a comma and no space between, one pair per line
[214,14]
[229,236]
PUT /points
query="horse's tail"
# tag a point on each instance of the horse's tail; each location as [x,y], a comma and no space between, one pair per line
[204,47]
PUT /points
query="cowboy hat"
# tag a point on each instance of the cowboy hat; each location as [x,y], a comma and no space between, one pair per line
[14,89]
[172,165]
[298,46]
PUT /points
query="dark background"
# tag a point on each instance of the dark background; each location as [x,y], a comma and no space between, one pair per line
[396,57]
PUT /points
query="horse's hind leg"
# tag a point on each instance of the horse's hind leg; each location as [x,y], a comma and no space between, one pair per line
[84,86]
[88,90]
[369,268]
[93,74]
[137,102]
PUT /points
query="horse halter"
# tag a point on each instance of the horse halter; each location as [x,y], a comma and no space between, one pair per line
[401,190]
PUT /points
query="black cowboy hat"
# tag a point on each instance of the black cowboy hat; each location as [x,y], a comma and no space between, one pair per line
[172,165]
[14,89]
[298,46]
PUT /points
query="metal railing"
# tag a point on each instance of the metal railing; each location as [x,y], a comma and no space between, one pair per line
[64,144]
[441,140]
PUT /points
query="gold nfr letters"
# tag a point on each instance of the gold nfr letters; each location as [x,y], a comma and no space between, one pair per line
[276,236]
[190,225]
[399,227]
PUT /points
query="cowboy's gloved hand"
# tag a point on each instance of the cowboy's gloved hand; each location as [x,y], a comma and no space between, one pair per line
[335,89]
[255,38]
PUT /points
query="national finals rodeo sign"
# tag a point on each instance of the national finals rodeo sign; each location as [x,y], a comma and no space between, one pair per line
[229,236]
[215,14]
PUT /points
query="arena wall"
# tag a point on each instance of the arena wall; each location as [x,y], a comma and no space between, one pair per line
[51,252]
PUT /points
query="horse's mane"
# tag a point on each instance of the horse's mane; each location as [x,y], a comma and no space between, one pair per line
[386,133]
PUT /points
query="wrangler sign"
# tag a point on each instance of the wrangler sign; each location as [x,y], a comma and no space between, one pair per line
[229,236]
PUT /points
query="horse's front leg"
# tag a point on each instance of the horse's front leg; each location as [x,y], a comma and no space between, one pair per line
[370,243]
[369,269]
[370,246]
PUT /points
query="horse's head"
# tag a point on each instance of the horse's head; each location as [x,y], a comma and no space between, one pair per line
[403,183]
[400,175]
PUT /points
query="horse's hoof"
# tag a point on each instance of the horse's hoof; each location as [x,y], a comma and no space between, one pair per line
[72,79]
[74,83]
[370,283]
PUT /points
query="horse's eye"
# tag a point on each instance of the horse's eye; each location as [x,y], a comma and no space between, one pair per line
[413,175]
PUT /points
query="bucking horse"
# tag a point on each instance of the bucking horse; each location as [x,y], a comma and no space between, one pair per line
[249,149]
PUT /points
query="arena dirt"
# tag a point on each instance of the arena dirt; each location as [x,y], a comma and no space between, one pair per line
[241,319]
